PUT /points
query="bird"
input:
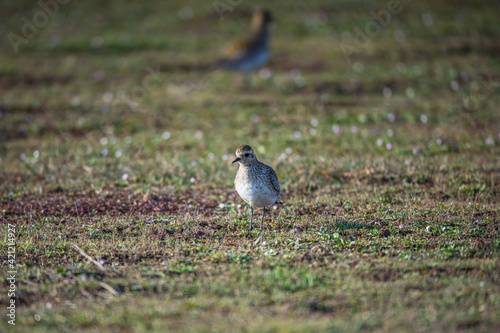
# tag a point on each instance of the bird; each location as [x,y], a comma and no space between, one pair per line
[256,183]
[250,53]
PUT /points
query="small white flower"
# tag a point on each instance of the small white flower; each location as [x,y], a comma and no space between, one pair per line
[265,73]
[75,101]
[427,19]
[107,97]
[428,229]
[358,67]
[185,13]
[96,42]
[399,35]
[387,92]
[294,73]
[166,135]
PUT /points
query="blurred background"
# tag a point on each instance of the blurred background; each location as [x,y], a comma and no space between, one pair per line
[119,91]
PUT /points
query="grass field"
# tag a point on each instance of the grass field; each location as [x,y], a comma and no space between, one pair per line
[117,184]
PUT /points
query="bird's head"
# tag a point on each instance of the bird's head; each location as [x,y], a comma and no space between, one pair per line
[245,155]
[261,18]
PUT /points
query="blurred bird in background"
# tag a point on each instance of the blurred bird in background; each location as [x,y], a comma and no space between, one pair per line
[250,53]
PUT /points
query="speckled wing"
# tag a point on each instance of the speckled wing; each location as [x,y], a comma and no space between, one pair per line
[235,54]
[237,49]
[273,180]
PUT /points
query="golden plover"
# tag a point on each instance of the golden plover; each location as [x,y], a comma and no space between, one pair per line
[255,182]
[252,52]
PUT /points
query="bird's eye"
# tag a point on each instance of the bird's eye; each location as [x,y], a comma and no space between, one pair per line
[246,155]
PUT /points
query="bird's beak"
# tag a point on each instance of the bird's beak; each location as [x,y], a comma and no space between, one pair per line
[236,160]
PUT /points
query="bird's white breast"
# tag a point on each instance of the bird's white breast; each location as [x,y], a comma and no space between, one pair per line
[256,194]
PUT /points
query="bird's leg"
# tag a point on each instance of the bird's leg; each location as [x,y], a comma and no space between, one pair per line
[251,218]
[262,222]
